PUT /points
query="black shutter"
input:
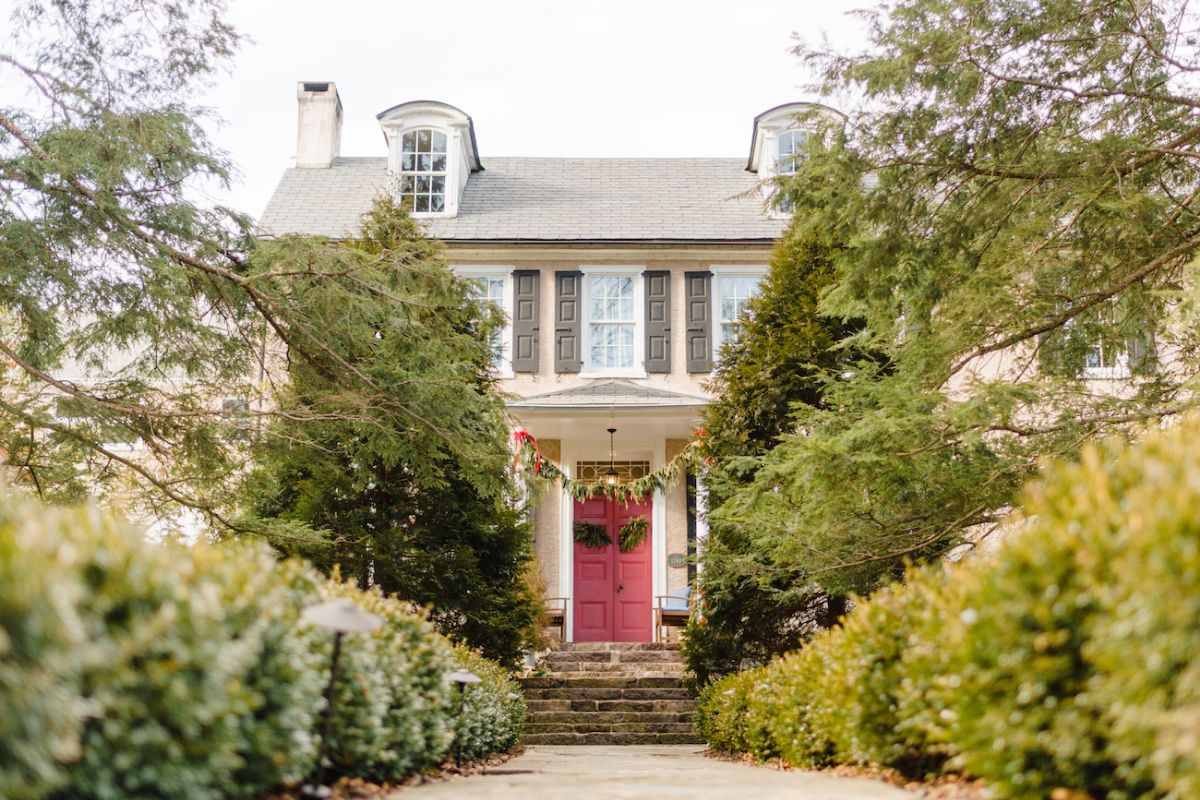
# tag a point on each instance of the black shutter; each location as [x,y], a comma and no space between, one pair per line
[525,320]
[698,300]
[568,321]
[658,321]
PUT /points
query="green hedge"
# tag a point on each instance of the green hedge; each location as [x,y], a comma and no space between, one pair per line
[130,669]
[1067,658]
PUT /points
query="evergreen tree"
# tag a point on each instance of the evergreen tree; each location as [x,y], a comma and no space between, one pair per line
[386,503]
[1017,194]
[785,352]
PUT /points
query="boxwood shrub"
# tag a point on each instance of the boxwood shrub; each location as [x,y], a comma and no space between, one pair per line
[1066,662]
[131,669]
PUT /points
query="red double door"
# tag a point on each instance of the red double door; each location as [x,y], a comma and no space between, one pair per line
[613,590]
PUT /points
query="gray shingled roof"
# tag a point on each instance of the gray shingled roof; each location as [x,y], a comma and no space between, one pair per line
[606,394]
[546,199]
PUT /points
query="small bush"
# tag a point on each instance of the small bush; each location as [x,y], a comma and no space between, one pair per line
[130,669]
[1067,661]
[488,716]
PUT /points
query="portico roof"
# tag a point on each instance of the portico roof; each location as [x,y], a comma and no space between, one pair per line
[611,394]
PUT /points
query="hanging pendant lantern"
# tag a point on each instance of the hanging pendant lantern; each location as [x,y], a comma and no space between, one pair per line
[611,478]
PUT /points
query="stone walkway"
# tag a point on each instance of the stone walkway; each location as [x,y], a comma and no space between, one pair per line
[652,772]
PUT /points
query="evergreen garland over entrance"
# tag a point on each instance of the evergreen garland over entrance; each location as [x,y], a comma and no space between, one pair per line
[530,459]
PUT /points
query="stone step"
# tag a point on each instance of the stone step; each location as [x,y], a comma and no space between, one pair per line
[610,646]
[605,706]
[599,682]
[613,657]
[608,717]
[598,693]
[610,738]
[588,726]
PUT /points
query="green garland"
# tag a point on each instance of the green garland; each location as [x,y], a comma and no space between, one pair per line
[592,535]
[534,465]
[633,533]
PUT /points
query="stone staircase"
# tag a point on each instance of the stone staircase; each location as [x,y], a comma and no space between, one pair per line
[610,693]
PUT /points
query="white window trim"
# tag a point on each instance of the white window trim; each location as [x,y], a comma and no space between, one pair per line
[638,370]
[453,146]
[468,271]
[1118,371]
[728,271]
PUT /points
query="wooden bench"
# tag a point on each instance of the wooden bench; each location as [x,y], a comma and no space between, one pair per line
[556,615]
[672,611]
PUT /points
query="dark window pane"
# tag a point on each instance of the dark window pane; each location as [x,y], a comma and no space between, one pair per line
[439,185]
[439,202]
[406,162]
[424,163]
[422,203]
[407,184]
[423,141]
[409,142]
[439,142]
[439,163]
[422,184]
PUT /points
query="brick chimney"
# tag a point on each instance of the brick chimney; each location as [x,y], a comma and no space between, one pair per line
[319,124]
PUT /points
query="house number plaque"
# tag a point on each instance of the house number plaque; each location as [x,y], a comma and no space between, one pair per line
[677,560]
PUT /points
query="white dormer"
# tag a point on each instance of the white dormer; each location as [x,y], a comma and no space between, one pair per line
[780,136]
[431,153]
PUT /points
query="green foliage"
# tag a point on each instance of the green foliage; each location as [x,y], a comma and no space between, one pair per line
[1004,207]
[490,716]
[757,605]
[130,669]
[633,533]
[41,634]
[393,714]
[1065,660]
[431,519]
[592,535]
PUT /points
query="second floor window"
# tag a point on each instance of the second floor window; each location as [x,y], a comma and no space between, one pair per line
[492,290]
[791,146]
[423,170]
[733,294]
[612,326]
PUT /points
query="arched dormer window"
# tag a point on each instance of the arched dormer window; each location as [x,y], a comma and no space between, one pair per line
[423,170]
[791,147]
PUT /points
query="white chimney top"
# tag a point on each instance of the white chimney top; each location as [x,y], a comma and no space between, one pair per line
[319,124]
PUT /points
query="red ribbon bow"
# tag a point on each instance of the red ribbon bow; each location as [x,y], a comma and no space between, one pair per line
[522,437]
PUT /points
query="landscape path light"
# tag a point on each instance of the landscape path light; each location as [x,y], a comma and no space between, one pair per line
[341,617]
[459,680]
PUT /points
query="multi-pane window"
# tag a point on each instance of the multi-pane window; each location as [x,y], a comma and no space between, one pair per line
[423,170]
[791,145]
[734,293]
[490,289]
[612,326]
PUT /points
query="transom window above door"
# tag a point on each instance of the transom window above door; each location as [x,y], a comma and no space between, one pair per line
[612,322]
[423,170]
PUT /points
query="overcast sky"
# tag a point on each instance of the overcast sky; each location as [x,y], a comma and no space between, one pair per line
[539,77]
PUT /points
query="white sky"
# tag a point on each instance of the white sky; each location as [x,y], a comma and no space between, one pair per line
[538,77]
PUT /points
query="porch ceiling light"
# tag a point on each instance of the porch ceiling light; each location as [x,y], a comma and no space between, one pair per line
[611,476]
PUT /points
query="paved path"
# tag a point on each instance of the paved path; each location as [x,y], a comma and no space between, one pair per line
[652,772]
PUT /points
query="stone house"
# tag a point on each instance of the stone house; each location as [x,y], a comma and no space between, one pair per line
[619,277]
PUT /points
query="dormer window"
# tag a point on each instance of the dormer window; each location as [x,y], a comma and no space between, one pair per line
[423,170]
[791,146]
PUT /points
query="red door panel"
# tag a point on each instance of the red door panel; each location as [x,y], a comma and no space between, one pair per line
[634,618]
[613,589]
[593,578]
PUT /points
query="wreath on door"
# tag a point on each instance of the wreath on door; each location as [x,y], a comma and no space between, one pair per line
[633,533]
[592,535]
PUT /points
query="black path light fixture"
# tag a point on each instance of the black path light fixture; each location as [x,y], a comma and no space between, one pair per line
[459,679]
[611,477]
[341,617]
